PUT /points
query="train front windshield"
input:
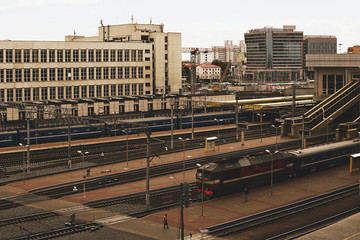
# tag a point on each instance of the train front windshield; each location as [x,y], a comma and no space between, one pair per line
[207,175]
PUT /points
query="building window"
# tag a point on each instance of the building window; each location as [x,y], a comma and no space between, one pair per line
[98,73]
[75,74]
[26,56]
[18,92]
[60,93]
[9,75]
[133,72]
[113,73]
[126,55]
[140,72]
[106,90]
[52,92]
[166,39]
[147,75]
[1,56]
[127,89]
[120,89]
[83,73]
[141,89]
[27,94]
[44,93]
[120,72]
[133,55]
[113,90]
[75,55]
[147,50]
[76,91]
[36,94]
[91,91]
[91,55]
[112,55]
[98,91]
[27,75]
[147,67]
[52,74]
[166,47]
[106,55]
[147,59]
[83,55]
[127,72]
[44,74]
[68,74]
[18,55]
[91,73]
[35,75]
[106,73]
[35,55]
[98,55]
[9,55]
[51,55]
[10,95]
[68,93]
[43,55]
[18,75]
[166,57]
[134,89]
[83,91]
[120,55]
[2,75]
[60,74]
[140,55]
[67,55]
[60,55]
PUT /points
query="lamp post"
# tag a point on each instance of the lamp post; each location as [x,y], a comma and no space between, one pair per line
[272,170]
[127,147]
[276,128]
[23,147]
[218,135]
[261,123]
[84,176]
[202,188]
[187,139]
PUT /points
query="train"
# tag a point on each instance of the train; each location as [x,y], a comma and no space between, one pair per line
[60,133]
[234,175]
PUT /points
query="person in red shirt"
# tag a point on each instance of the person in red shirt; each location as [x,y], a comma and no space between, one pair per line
[165,221]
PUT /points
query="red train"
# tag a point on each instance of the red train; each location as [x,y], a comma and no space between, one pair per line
[235,174]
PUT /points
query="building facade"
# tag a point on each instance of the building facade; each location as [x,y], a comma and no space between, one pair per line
[123,60]
[355,49]
[274,55]
[208,73]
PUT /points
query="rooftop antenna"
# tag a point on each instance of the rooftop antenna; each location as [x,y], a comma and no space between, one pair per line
[74,33]
[150,20]
[132,18]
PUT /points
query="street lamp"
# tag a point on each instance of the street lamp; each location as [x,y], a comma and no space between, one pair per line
[276,128]
[261,123]
[84,176]
[202,188]
[272,170]
[127,147]
[218,120]
[23,147]
[187,139]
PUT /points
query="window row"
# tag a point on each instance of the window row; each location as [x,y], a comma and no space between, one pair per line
[68,74]
[72,92]
[71,55]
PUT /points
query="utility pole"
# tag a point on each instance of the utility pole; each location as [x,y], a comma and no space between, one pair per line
[69,146]
[28,146]
[172,126]
[147,195]
[237,120]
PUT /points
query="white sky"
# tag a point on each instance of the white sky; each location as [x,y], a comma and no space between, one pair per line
[202,23]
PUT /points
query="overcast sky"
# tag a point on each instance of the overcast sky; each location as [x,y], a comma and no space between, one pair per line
[202,23]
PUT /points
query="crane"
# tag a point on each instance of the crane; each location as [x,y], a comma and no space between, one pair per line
[218,87]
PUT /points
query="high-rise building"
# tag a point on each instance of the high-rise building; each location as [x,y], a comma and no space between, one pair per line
[123,60]
[274,54]
[318,44]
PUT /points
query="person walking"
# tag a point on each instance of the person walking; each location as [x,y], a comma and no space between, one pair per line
[246,191]
[165,221]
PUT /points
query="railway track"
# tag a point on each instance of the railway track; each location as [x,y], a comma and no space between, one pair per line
[109,180]
[277,214]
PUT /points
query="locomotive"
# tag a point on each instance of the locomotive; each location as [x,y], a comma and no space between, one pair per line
[234,175]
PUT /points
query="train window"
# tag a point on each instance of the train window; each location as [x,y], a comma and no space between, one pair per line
[50,133]
[75,131]
[63,132]
[88,129]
